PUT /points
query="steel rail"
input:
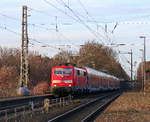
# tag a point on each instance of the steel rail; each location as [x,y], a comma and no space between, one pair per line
[64,115]
[92,116]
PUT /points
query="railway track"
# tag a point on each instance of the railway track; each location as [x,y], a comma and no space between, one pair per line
[86,112]
[19,111]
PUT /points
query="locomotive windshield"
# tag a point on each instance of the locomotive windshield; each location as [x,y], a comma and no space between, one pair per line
[61,71]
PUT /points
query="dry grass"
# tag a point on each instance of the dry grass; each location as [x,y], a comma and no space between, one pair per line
[130,107]
[147,85]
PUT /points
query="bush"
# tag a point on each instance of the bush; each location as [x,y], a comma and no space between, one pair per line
[40,88]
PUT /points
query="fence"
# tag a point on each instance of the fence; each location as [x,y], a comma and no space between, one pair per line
[19,114]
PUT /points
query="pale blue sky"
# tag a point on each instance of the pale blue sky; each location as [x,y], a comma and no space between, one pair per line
[133,17]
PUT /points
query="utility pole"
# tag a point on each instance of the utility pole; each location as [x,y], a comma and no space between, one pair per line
[105,28]
[131,55]
[143,71]
[131,65]
[56,24]
[144,66]
[144,63]
[24,68]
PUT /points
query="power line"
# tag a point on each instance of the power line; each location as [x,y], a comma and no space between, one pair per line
[49,15]
[31,39]
[126,67]
[39,26]
[76,11]
[39,11]
[78,19]
[44,44]
[55,8]
[84,8]
[34,25]
[131,22]
[42,12]
[109,39]
[5,28]
[67,39]
[56,31]
[59,9]
[30,24]
[82,22]
[86,11]
[6,16]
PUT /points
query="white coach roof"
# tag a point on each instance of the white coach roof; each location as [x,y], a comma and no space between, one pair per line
[99,73]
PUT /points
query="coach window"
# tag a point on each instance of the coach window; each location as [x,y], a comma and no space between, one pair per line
[81,73]
[78,72]
[85,74]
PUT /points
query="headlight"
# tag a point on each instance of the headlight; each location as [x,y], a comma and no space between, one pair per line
[67,81]
[56,81]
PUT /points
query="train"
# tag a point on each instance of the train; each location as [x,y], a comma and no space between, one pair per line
[69,79]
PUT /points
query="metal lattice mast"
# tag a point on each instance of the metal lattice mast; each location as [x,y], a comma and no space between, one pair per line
[24,78]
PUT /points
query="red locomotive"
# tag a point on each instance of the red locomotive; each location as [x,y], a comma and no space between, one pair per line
[69,79]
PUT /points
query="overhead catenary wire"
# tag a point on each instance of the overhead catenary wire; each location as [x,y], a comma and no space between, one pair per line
[86,11]
[7,29]
[42,12]
[123,22]
[9,17]
[78,20]
[84,17]
[93,20]
[62,11]
[106,33]
[61,34]
[81,21]
[123,64]
[88,14]
[125,61]
[39,26]
[35,25]
[12,30]
[31,39]
[30,24]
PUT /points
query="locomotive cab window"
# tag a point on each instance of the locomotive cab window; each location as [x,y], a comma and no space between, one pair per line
[61,71]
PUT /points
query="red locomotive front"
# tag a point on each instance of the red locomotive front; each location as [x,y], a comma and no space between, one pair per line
[62,79]
[68,79]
